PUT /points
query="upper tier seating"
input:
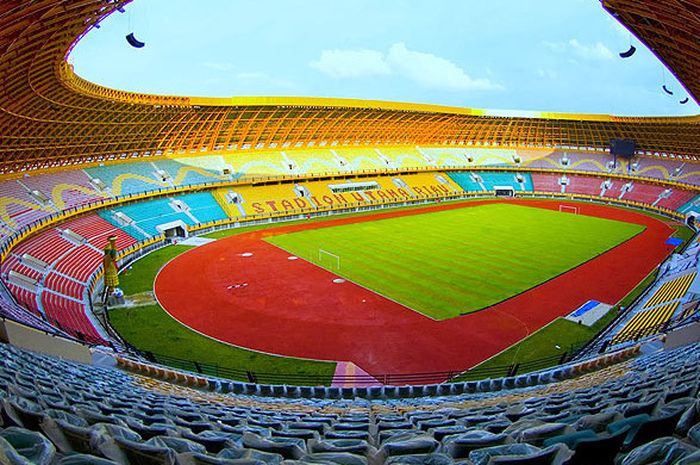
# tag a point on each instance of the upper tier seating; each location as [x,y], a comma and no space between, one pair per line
[257,165]
[472,157]
[32,198]
[638,410]
[129,178]
[598,162]
[181,174]
[66,189]
[18,208]
[405,157]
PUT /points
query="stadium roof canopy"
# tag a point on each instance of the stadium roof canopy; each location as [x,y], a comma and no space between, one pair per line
[51,117]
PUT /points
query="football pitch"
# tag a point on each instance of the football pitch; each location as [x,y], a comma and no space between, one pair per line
[448,263]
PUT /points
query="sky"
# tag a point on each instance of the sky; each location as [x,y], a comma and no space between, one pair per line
[544,55]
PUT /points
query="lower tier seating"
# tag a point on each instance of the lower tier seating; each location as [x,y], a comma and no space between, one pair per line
[635,412]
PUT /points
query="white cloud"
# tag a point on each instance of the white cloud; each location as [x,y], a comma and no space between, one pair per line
[594,52]
[555,46]
[426,69]
[433,71]
[351,63]
[597,51]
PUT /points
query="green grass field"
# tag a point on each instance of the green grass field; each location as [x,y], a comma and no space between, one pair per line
[448,263]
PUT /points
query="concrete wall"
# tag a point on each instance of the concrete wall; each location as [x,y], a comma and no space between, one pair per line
[683,336]
[31,339]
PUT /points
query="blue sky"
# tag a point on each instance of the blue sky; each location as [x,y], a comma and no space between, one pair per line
[544,55]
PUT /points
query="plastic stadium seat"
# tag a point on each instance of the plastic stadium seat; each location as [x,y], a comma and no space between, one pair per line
[405,444]
[179,445]
[85,459]
[289,448]
[663,450]
[420,459]
[143,453]
[34,447]
[68,437]
[654,428]
[690,417]
[213,441]
[23,412]
[339,458]
[234,453]
[364,435]
[519,454]
[353,446]
[600,450]
[203,459]
[9,456]
[460,445]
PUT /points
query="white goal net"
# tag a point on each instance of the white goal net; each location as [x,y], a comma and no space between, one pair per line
[568,209]
[328,259]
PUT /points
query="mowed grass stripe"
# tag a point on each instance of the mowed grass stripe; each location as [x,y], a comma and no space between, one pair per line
[452,262]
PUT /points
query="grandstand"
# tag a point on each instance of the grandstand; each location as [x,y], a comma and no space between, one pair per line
[81,163]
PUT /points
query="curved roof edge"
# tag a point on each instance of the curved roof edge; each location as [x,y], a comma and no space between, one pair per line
[50,117]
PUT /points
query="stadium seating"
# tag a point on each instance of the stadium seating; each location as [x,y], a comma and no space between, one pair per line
[68,314]
[464,156]
[143,219]
[673,170]
[614,189]
[60,265]
[692,205]
[67,189]
[598,162]
[275,199]
[676,199]
[317,161]
[645,193]
[645,323]
[57,411]
[281,199]
[405,157]
[18,208]
[128,178]
[258,164]
[360,159]
[486,181]
[670,290]
[182,174]
[203,207]
[547,182]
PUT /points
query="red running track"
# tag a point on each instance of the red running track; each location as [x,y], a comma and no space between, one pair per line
[293,308]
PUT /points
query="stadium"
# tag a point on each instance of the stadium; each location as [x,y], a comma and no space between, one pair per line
[268,280]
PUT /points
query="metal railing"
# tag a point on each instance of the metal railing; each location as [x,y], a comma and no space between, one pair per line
[309,379]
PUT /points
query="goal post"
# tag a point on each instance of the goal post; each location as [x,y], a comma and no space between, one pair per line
[325,256]
[569,209]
